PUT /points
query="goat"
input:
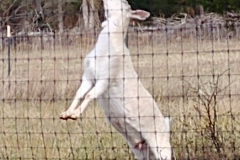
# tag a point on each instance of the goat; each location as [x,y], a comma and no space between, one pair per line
[109,76]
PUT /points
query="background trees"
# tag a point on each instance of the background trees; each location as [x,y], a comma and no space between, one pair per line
[87,14]
[169,7]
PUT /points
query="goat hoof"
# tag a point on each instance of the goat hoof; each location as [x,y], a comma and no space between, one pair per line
[73,116]
[63,118]
[66,116]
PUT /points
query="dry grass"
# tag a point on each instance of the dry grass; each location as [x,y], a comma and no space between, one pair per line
[43,82]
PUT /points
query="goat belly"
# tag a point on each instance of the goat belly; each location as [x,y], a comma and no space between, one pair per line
[126,129]
[112,106]
[118,117]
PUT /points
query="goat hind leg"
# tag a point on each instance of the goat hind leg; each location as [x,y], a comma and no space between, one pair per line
[140,151]
[159,145]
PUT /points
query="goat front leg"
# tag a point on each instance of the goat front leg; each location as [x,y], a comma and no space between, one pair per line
[85,87]
[95,92]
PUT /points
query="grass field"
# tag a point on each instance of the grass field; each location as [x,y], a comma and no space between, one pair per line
[43,82]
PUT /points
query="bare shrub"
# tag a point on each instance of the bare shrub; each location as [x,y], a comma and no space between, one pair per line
[207,97]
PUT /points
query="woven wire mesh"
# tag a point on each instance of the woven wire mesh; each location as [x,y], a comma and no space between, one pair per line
[191,71]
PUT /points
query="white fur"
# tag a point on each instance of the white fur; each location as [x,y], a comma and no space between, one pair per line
[110,77]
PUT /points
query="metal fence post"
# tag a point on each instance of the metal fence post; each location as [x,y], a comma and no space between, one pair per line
[9,43]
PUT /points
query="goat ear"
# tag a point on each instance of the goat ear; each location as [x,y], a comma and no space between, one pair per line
[139,14]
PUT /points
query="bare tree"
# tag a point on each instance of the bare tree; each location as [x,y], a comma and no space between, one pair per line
[91,14]
[39,7]
[85,13]
[60,16]
[199,10]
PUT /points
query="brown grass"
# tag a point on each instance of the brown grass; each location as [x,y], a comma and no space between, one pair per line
[43,82]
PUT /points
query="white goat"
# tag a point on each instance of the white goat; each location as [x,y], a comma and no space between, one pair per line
[110,77]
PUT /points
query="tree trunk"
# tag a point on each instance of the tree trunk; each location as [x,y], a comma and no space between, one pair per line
[39,8]
[60,16]
[60,20]
[85,13]
[199,10]
[91,14]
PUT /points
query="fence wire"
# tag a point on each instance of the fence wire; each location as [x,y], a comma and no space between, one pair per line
[191,71]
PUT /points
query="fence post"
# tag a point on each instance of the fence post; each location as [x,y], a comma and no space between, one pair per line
[9,43]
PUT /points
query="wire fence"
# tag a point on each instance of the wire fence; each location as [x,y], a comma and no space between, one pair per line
[192,72]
